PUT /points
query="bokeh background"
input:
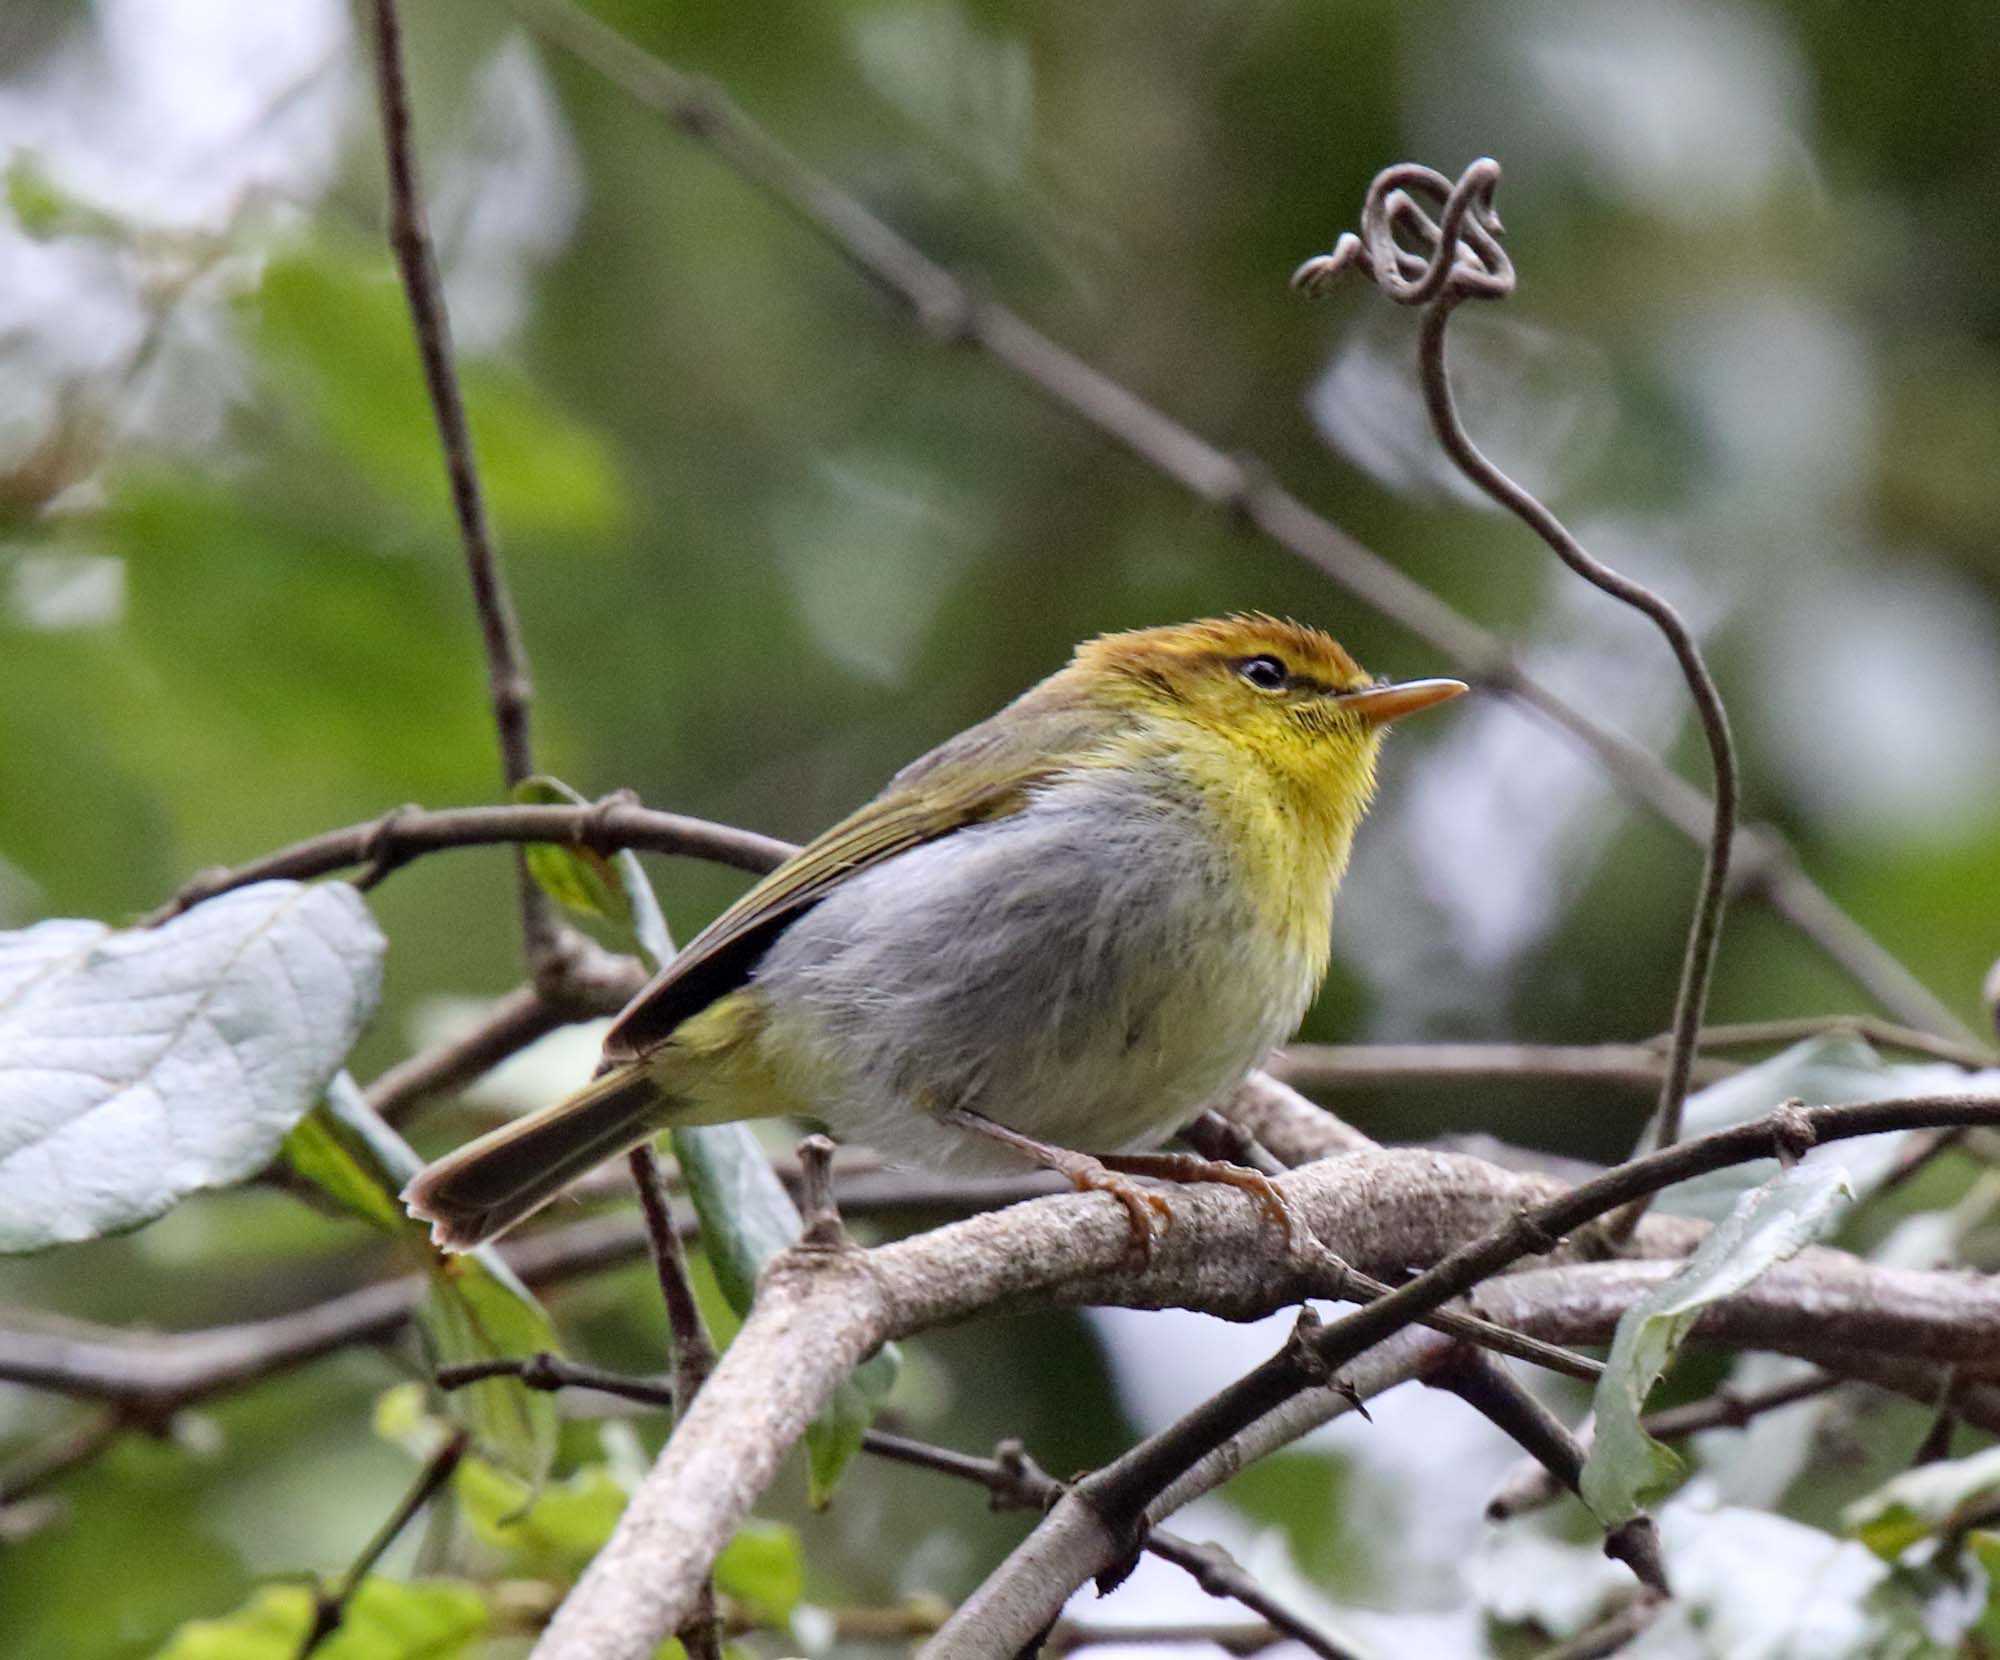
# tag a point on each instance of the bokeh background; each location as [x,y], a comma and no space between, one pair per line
[768,542]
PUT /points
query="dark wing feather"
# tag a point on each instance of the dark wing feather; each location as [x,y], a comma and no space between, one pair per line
[975,777]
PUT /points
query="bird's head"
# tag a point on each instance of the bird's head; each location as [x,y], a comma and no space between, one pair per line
[1275,694]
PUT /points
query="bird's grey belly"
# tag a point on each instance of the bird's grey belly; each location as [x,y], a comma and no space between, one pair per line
[1079,974]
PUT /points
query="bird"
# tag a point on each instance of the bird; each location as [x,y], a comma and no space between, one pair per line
[1050,941]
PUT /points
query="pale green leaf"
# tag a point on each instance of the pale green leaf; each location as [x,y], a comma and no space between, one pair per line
[44,210]
[579,878]
[141,1066]
[834,1437]
[477,1309]
[318,1152]
[1626,1466]
[1834,1067]
[551,1533]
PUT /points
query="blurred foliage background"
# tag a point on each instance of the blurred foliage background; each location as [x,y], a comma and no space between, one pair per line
[768,543]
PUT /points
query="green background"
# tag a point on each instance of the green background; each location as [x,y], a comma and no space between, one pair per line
[768,541]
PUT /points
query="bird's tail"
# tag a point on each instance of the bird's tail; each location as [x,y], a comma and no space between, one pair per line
[485,1187]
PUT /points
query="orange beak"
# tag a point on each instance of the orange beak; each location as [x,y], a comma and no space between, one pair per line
[1380,704]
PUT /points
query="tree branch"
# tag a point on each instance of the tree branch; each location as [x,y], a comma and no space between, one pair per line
[510,687]
[1107,1502]
[1883,1034]
[1485,1386]
[1332,1066]
[515,1021]
[818,1314]
[391,841]
[1529,1484]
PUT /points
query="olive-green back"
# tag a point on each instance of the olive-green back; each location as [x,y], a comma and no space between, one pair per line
[986,772]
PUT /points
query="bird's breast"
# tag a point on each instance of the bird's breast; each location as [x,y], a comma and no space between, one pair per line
[1089,970]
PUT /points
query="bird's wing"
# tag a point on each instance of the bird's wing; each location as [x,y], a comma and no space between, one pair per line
[973,778]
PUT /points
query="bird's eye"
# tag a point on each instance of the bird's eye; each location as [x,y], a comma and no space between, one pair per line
[1267,674]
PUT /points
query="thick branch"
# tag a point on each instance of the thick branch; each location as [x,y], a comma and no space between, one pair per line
[818,1313]
[1126,1488]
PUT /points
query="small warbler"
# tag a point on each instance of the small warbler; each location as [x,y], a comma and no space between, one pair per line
[1061,933]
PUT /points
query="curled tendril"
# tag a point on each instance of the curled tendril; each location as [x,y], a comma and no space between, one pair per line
[1458,257]
[1459,250]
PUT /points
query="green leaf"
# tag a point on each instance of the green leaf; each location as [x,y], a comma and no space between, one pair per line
[647,922]
[1627,1467]
[471,1314]
[141,1066]
[834,1437]
[764,1569]
[386,1619]
[746,1215]
[1931,1498]
[318,1152]
[550,1534]
[477,1309]
[579,878]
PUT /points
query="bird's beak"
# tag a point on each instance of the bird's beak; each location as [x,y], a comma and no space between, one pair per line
[1380,704]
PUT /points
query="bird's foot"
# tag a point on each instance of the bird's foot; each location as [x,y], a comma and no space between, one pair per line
[1149,1212]
[1192,1167]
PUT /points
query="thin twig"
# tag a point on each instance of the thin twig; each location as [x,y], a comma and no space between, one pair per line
[1528,1485]
[1015,1480]
[1705,931]
[552,1372]
[1884,1034]
[694,1349]
[330,1608]
[1464,261]
[1334,1066]
[1734,1408]
[1611,1634]
[515,1021]
[1486,1386]
[387,843]
[1241,486]
[510,687]
[74,1444]
[546,942]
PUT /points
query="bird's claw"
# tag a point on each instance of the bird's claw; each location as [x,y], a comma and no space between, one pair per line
[1149,1213]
